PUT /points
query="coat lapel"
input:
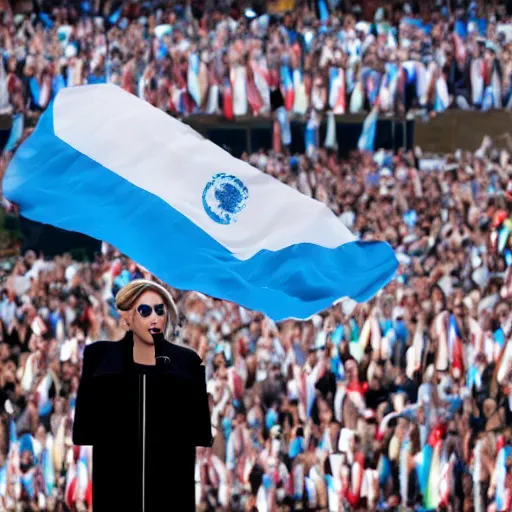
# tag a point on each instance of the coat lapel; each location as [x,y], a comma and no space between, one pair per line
[118,359]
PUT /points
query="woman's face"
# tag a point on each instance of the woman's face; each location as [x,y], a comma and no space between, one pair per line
[145,317]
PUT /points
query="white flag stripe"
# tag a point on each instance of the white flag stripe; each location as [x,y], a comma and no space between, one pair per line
[157,153]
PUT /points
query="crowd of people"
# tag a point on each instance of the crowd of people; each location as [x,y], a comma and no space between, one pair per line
[230,59]
[402,401]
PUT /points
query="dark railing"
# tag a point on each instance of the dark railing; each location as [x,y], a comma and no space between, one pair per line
[252,134]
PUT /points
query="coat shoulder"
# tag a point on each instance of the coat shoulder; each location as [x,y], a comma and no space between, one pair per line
[101,346]
[187,354]
[102,354]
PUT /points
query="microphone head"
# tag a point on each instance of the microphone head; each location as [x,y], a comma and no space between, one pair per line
[159,342]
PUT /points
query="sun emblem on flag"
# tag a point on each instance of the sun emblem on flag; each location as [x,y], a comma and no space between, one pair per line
[224,197]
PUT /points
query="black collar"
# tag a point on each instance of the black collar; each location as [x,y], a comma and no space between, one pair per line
[117,358]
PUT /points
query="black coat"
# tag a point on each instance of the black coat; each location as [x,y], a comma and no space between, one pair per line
[109,415]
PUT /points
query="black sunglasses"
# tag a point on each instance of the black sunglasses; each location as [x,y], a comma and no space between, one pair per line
[145,310]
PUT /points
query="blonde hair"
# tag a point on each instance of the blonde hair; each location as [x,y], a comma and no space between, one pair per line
[129,294]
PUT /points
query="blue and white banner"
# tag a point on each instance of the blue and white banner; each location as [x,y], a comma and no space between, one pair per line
[107,164]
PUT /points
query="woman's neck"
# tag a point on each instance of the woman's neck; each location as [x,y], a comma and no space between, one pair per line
[142,352]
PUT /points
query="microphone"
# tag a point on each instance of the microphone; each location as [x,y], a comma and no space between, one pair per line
[159,341]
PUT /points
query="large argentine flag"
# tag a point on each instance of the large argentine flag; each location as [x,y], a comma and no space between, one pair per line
[105,163]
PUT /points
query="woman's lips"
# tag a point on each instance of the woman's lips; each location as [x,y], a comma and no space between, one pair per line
[154,330]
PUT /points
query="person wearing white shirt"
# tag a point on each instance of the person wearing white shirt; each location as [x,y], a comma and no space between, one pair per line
[8,308]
